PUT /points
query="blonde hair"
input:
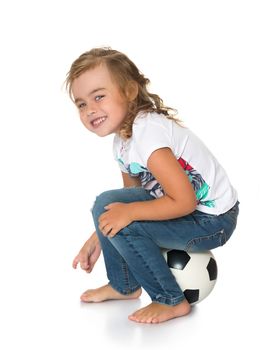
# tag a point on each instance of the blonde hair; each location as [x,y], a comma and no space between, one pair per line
[123,71]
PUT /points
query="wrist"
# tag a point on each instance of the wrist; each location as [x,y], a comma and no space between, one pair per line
[94,237]
[132,211]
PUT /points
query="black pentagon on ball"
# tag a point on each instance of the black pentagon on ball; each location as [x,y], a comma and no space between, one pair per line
[212,269]
[192,295]
[177,259]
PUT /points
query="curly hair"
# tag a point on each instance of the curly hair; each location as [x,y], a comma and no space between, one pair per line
[123,71]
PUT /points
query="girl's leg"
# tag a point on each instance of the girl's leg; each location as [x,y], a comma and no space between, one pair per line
[139,245]
[119,275]
[132,258]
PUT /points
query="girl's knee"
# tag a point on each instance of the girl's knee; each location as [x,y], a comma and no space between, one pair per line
[103,200]
[100,201]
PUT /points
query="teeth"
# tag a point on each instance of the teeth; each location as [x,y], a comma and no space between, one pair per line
[98,121]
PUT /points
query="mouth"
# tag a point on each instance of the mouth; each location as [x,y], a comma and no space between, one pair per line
[98,121]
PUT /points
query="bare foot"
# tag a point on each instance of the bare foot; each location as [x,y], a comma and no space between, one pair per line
[156,313]
[107,293]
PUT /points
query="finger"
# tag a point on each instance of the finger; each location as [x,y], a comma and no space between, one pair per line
[112,233]
[109,206]
[89,269]
[84,267]
[102,216]
[105,227]
[108,230]
[86,270]
[75,262]
[84,264]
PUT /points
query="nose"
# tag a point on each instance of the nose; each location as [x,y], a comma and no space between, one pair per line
[90,113]
[90,110]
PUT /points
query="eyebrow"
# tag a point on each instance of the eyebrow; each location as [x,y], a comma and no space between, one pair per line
[91,93]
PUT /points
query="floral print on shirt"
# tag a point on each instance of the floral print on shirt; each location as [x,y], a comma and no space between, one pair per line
[148,181]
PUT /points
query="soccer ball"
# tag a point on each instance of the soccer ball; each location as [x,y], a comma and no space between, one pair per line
[196,273]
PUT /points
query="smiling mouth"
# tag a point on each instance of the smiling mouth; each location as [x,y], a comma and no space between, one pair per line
[98,121]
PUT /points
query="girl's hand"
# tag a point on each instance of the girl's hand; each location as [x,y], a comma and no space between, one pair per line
[88,254]
[114,219]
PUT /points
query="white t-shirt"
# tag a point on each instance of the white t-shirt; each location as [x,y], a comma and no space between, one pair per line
[151,131]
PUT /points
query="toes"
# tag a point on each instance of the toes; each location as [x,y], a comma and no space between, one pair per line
[155,320]
[135,317]
[85,296]
[140,317]
[132,318]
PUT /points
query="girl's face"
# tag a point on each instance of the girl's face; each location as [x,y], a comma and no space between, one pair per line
[101,106]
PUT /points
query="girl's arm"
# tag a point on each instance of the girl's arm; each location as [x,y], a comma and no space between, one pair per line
[88,254]
[179,198]
[130,181]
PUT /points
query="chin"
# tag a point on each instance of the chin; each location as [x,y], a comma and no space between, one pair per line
[103,134]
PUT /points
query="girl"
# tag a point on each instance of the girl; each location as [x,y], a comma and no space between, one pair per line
[176,195]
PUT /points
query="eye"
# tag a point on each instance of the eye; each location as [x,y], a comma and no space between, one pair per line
[99,97]
[81,105]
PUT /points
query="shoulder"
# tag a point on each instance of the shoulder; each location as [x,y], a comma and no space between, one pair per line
[146,118]
[151,131]
[156,125]
[151,122]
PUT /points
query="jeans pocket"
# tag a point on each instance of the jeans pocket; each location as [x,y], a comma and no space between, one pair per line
[207,242]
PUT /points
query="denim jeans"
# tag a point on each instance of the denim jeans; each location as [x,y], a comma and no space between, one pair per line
[133,256]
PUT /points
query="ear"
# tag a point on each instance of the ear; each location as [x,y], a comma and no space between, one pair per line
[131,90]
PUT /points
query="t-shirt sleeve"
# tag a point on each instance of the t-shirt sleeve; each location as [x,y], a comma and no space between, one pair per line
[116,146]
[122,166]
[151,135]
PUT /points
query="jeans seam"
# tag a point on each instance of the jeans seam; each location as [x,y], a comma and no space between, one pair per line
[199,239]
[129,289]
[170,300]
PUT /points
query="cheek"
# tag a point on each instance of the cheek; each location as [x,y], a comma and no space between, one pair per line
[84,121]
[123,108]
[81,116]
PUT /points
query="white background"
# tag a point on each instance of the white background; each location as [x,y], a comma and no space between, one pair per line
[204,58]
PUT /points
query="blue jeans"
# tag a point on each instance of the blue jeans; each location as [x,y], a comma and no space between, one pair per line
[133,256]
